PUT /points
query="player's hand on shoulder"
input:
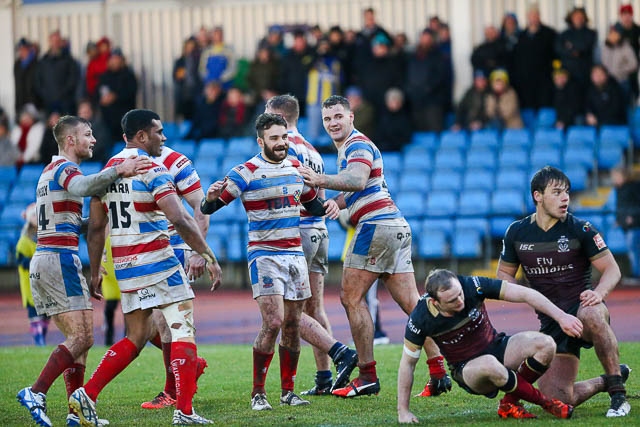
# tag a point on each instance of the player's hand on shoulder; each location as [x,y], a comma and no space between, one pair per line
[215,190]
[309,175]
[134,165]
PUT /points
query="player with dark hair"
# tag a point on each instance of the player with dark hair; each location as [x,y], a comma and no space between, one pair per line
[188,187]
[148,272]
[556,251]
[57,282]
[272,191]
[314,323]
[482,361]
[381,247]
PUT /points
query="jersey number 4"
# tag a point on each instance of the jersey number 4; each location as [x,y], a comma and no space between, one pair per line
[120,218]
[42,218]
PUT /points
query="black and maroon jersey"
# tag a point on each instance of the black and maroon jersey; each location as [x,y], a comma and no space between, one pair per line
[557,262]
[464,335]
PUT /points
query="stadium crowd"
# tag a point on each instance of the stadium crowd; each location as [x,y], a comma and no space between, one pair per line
[406,88]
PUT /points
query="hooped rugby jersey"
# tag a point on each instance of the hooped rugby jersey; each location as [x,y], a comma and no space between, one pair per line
[464,335]
[303,151]
[140,245]
[556,262]
[59,212]
[374,202]
[186,180]
[271,194]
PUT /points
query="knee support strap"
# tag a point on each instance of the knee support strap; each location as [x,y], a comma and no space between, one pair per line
[180,322]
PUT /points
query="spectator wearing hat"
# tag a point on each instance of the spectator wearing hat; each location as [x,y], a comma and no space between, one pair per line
[471,113]
[274,42]
[27,135]
[426,84]
[117,92]
[395,127]
[217,62]
[384,71]
[364,115]
[605,100]
[502,106]
[532,63]
[568,101]
[510,35]
[363,44]
[24,71]
[576,45]
[186,79]
[491,53]
[295,66]
[630,31]
[620,61]
[57,77]
[96,67]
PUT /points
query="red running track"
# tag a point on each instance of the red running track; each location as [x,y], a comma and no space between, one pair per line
[231,316]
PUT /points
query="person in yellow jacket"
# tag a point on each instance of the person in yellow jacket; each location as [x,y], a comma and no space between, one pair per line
[25,248]
[110,292]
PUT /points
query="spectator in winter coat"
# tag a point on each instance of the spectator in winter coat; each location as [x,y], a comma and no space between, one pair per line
[605,100]
[502,107]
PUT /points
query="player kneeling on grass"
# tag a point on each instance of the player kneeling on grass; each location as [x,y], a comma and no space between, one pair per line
[482,361]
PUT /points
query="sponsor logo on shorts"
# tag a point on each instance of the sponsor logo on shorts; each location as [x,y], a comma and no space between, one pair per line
[144,294]
[372,260]
[34,276]
[267,282]
[50,303]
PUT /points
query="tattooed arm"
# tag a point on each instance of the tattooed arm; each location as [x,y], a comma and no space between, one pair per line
[353,178]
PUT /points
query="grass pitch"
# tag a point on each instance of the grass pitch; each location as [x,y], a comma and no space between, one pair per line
[224,393]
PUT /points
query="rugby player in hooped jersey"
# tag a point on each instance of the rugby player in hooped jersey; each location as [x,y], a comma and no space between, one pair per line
[380,248]
[272,191]
[148,272]
[188,187]
[314,323]
[58,284]
[556,251]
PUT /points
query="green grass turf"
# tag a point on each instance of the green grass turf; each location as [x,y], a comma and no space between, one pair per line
[224,393]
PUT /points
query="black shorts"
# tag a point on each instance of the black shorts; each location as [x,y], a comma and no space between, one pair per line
[496,349]
[564,343]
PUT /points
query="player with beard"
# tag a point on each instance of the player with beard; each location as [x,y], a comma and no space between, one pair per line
[314,323]
[272,190]
[556,251]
